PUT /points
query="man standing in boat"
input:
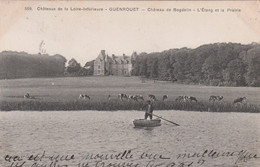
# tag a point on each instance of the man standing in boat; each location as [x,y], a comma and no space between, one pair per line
[149,110]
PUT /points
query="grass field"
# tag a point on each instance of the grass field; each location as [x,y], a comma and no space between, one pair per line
[66,90]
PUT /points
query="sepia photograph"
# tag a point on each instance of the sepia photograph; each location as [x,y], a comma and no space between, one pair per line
[129,83]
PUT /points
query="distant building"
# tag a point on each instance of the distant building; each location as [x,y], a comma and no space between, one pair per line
[114,65]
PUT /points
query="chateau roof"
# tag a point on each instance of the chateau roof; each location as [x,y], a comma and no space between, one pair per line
[115,59]
[121,59]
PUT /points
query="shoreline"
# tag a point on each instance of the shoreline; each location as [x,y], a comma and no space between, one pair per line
[115,105]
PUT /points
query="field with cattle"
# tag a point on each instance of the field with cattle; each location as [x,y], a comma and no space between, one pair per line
[64,94]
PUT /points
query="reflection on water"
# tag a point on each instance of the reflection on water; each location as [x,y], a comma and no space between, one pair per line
[85,132]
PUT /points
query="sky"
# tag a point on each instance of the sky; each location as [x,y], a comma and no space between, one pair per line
[82,34]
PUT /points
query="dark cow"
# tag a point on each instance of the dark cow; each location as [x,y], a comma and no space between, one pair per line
[122,96]
[165,97]
[191,98]
[84,96]
[27,96]
[152,97]
[239,100]
[215,98]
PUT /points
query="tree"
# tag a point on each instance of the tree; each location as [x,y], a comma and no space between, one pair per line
[88,68]
[24,65]
[143,67]
[154,68]
[212,70]
[73,66]
[253,71]
[219,64]
[234,74]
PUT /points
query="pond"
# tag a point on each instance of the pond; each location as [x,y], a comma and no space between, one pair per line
[103,138]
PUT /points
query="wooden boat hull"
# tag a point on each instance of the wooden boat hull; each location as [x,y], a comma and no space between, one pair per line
[147,123]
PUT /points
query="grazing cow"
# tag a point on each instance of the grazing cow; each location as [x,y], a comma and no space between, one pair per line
[108,97]
[82,96]
[27,96]
[179,99]
[132,97]
[135,98]
[239,100]
[139,97]
[215,98]
[152,97]
[165,97]
[182,99]
[191,98]
[219,98]
[122,96]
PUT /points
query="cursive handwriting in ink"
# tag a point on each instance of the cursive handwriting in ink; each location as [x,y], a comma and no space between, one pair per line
[245,156]
[145,155]
[16,161]
[127,154]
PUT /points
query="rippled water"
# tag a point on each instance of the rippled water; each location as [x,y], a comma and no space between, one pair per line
[84,132]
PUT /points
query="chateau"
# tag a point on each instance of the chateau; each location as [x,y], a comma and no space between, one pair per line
[114,65]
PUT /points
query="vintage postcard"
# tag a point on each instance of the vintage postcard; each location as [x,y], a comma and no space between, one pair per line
[129,83]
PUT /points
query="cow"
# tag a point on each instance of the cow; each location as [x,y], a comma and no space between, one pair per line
[181,99]
[84,96]
[27,96]
[215,98]
[132,97]
[139,97]
[152,97]
[135,98]
[239,100]
[108,97]
[81,96]
[165,97]
[122,96]
[191,98]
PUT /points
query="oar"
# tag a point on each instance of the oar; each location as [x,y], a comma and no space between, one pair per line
[166,120]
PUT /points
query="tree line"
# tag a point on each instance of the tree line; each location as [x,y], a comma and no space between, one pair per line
[219,64]
[24,65]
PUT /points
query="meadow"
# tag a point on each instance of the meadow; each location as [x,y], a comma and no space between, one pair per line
[63,93]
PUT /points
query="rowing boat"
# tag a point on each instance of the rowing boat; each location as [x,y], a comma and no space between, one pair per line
[147,123]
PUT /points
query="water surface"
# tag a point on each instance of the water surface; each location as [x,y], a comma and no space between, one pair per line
[101,132]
